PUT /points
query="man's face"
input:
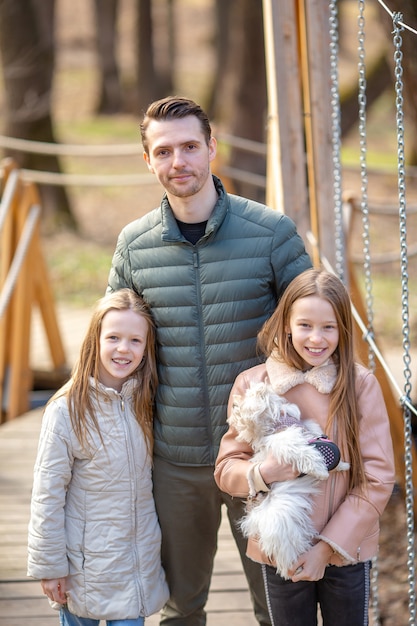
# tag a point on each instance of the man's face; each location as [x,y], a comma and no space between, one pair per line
[179,155]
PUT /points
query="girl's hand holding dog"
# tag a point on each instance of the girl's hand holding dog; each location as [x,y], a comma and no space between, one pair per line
[311,564]
[272,471]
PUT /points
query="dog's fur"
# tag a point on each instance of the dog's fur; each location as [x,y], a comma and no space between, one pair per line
[280,518]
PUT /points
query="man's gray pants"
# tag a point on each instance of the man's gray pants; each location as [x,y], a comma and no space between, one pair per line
[188,503]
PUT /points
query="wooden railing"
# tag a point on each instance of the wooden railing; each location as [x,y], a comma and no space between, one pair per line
[24,284]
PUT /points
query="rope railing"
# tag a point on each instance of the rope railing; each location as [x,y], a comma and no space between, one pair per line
[384,258]
[87,180]
[110,150]
[79,150]
[126,150]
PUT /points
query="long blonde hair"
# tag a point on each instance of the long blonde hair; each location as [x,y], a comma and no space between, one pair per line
[78,390]
[274,340]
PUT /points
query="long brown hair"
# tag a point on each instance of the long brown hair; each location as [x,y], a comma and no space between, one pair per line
[78,390]
[274,340]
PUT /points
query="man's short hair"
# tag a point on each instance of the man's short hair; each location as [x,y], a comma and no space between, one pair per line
[171,108]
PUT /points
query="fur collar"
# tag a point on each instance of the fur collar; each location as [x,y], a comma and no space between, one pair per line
[283,377]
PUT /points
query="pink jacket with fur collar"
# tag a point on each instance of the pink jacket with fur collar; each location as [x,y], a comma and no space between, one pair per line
[349,522]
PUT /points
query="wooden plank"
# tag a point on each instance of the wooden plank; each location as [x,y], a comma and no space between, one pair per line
[316,59]
[44,297]
[286,179]
[308,126]
[11,191]
[20,379]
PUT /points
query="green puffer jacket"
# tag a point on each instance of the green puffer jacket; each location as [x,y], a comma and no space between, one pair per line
[209,301]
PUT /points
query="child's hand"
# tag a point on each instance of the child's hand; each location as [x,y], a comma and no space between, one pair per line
[55,589]
[311,564]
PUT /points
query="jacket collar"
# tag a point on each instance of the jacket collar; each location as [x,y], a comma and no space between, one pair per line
[170,230]
[283,377]
[128,388]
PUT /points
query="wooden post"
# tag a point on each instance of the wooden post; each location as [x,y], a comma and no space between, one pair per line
[44,298]
[299,156]
[21,252]
[286,178]
[313,17]
[10,196]
[20,375]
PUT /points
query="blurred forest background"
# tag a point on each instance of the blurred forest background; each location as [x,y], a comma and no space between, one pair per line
[83,71]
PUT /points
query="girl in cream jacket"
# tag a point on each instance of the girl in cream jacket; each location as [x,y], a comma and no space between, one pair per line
[94,537]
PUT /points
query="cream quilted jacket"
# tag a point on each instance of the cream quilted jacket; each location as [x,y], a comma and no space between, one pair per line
[93,516]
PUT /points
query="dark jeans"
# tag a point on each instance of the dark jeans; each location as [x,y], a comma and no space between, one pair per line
[189,503]
[343,596]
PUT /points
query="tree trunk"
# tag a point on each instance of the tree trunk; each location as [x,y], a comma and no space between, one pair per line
[221,91]
[28,65]
[154,80]
[110,99]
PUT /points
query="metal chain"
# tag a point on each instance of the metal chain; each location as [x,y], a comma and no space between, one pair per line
[364,180]
[366,249]
[336,140]
[408,439]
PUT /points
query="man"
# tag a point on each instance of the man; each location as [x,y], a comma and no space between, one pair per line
[212,266]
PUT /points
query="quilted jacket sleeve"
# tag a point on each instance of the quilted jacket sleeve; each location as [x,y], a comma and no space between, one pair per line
[52,473]
[120,275]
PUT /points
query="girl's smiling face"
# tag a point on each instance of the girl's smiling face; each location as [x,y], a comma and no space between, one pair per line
[314,329]
[122,345]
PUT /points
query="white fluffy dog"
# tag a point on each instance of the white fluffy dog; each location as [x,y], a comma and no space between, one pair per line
[280,518]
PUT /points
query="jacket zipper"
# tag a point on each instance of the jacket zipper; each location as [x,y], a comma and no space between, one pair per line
[196,264]
[133,494]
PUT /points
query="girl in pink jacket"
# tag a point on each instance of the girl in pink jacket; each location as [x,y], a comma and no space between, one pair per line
[308,343]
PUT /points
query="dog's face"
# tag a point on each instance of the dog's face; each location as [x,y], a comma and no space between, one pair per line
[261,412]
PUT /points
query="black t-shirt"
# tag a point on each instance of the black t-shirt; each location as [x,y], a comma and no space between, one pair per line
[192,232]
